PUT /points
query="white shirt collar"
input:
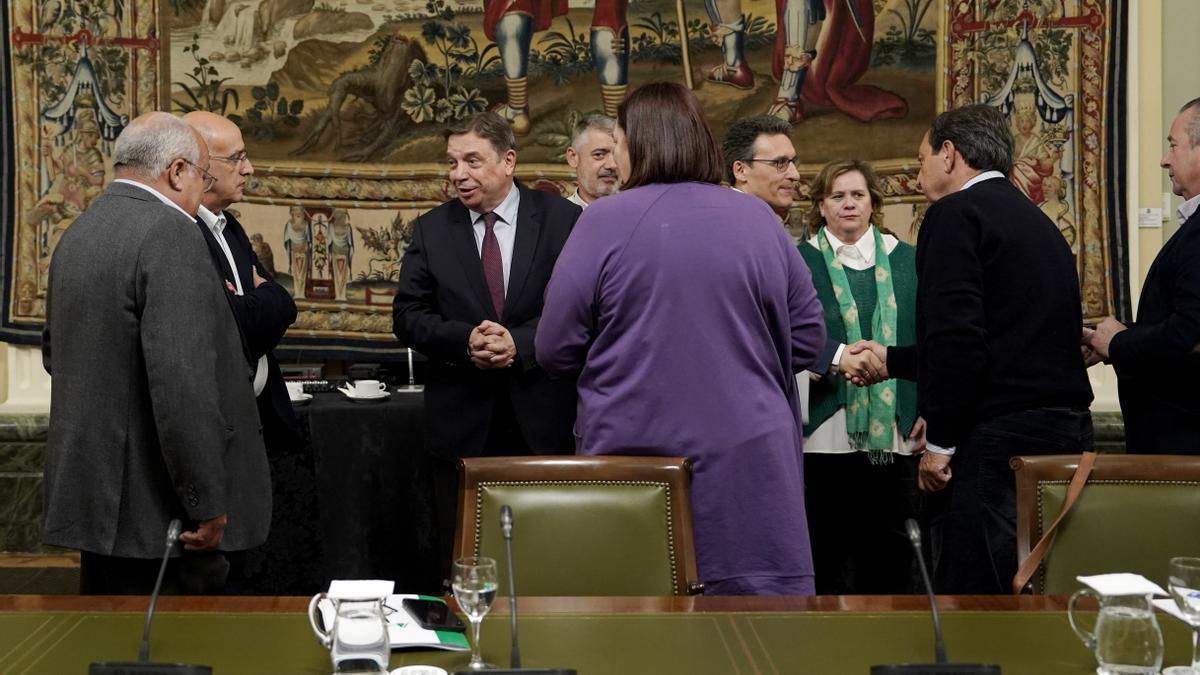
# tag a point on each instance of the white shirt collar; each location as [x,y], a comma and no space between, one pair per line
[861,254]
[576,198]
[161,197]
[506,211]
[986,175]
[863,249]
[214,221]
[1188,208]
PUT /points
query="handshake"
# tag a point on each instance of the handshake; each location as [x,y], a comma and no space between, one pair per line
[863,363]
[1095,341]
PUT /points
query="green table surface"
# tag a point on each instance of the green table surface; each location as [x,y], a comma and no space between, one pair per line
[1025,636]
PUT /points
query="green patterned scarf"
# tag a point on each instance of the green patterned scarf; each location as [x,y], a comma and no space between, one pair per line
[870,411]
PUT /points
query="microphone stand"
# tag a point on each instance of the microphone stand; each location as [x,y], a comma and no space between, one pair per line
[506,527]
[939,667]
[143,666]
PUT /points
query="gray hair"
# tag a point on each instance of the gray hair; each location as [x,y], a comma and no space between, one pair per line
[738,145]
[1193,124]
[979,133]
[152,141]
[598,122]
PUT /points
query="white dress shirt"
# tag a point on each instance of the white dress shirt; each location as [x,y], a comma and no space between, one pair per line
[216,225]
[505,229]
[986,175]
[831,437]
[576,199]
[1188,208]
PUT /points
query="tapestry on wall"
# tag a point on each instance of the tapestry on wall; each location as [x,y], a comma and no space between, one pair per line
[342,104]
[1056,69]
[76,72]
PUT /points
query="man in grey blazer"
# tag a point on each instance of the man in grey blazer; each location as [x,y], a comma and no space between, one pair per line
[152,413]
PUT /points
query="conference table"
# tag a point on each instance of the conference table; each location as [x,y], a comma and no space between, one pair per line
[1025,635]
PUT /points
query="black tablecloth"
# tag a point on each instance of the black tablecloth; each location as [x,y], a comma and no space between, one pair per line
[354,502]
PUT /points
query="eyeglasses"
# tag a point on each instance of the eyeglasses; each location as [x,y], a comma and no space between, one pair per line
[232,159]
[780,164]
[210,179]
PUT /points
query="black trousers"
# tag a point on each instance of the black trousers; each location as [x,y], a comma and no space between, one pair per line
[281,566]
[856,513]
[203,573]
[973,520]
[504,439]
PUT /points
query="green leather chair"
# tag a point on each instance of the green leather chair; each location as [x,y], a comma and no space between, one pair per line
[582,526]
[1133,515]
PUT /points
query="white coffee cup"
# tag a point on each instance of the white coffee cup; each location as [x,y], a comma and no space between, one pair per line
[369,388]
[295,390]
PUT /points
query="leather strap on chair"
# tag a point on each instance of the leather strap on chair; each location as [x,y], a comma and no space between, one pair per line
[1086,461]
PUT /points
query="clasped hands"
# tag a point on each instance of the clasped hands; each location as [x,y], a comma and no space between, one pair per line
[491,346]
[1094,342]
[864,363]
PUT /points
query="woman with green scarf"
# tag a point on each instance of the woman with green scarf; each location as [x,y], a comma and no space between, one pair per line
[860,444]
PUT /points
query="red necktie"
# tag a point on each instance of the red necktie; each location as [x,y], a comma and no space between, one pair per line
[493,265]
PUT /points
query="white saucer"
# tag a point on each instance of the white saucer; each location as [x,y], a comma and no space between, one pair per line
[304,398]
[418,670]
[383,395]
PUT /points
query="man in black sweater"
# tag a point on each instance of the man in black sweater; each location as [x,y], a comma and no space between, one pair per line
[998,365]
[1156,358]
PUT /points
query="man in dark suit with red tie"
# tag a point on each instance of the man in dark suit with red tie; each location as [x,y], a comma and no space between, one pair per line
[1156,357]
[262,308]
[470,297]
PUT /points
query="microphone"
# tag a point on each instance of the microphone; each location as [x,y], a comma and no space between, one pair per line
[506,528]
[506,524]
[939,667]
[143,666]
[173,530]
[914,538]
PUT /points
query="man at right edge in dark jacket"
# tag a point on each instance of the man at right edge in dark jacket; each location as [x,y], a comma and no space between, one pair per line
[1156,357]
[998,363]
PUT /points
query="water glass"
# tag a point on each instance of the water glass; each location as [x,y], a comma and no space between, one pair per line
[474,588]
[1184,583]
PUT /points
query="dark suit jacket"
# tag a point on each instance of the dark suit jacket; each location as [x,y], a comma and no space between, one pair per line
[263,314]
[1156,359]
[443,296]
[152,412]
[998,312]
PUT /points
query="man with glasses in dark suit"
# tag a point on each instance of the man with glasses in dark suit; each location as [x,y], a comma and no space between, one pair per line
[263,309]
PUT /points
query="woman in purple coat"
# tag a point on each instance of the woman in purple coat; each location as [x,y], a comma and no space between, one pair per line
[685,309]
